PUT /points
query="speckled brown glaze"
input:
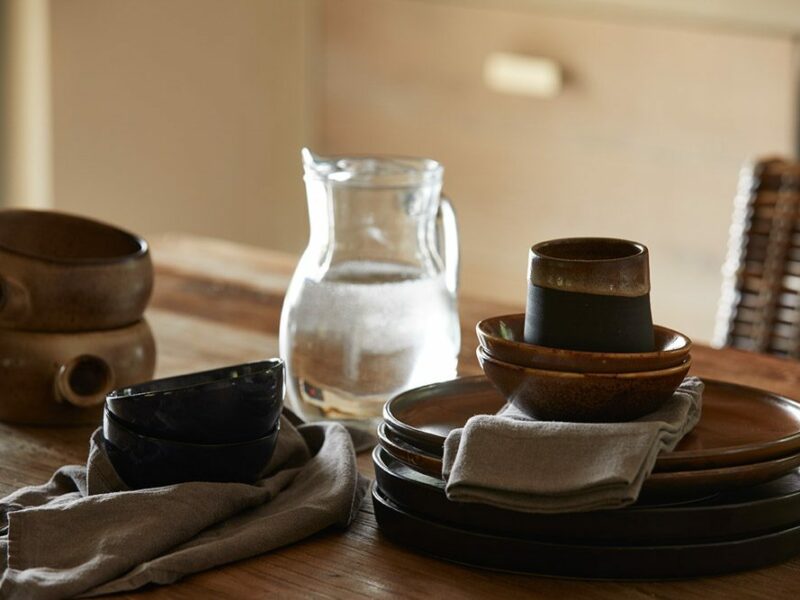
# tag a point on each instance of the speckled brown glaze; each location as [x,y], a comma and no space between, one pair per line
[62,378]
[582,397]
[502,338]
[601,266]
[61,272]
[422,461]
[739,425]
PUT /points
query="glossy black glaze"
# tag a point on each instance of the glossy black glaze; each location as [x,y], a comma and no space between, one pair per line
[144,462]
[588,322]
[228,405]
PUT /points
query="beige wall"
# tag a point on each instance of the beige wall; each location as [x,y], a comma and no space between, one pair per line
[645,141]
[183,114]
[189,115]
[25,112]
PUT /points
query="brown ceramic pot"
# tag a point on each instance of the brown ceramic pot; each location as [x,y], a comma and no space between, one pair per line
[60,272]
[502,338]
[63,378]
[582,397]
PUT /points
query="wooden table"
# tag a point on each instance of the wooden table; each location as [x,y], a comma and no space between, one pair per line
[217,303]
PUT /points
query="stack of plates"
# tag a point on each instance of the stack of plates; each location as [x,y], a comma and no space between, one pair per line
[727,499]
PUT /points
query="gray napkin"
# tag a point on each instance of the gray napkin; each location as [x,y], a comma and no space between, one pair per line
[514,462]
[85,533]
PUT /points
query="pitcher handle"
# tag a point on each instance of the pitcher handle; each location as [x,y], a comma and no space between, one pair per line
[448,226]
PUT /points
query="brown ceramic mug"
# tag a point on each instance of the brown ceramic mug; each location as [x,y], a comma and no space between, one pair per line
[589,294]
[63,378]
[60,272]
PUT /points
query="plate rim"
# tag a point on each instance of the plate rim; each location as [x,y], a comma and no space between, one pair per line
[656,508]
[406,529]
[625,548]
[726,456]
[674,482]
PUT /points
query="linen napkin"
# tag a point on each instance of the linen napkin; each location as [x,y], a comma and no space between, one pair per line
[85,533]
[515,462]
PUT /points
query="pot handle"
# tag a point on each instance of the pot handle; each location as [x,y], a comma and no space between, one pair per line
[15,302]
[448,242]
[84,381]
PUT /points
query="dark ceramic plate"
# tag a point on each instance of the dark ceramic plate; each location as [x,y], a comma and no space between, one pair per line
[740,425]
[747,512]
[470,547]
[222,406]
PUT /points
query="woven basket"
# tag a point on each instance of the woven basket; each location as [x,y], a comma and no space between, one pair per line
[759,308]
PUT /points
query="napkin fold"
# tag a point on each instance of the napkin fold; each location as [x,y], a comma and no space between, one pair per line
[85,533]
[515,462]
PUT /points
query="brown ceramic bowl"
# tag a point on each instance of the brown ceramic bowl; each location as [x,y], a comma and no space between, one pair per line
[501,338]
[582,397]
[63,378]
[60,272]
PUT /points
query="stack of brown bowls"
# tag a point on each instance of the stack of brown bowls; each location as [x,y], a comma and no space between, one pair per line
[72,295]
[570,385]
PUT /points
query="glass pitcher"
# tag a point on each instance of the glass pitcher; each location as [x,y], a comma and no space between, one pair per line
[371,309]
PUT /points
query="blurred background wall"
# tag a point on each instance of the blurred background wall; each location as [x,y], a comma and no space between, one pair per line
[184,115]
[25,111]
[189,115]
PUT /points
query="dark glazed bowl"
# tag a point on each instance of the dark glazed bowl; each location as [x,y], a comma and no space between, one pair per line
[502,338]
[60,273]
[222,406]
[142,461]
[583,397]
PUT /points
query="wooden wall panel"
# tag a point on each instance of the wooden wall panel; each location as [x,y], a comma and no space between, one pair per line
[184,115]
[644,142]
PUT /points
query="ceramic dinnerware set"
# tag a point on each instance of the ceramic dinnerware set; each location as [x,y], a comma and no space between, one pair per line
[586,348]
[725,499]
[72,335]
[219,425]
[72,296]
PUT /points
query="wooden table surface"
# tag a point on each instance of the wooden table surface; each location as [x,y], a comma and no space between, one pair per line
[217,303]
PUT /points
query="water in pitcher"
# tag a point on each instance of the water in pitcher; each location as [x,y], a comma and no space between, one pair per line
[365,332]
[372,307]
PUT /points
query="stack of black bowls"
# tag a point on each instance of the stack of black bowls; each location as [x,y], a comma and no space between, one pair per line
[219,425]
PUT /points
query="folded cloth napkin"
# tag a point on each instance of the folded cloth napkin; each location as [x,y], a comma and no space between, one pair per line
[512,461]
[85,533]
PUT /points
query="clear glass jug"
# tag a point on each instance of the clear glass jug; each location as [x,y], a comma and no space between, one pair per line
[371,309]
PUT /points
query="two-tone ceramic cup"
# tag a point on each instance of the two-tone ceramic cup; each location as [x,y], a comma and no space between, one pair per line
[60,273]
[589,294]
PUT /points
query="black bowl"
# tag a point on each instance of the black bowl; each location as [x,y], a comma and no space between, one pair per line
[144,462]
[223,406]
